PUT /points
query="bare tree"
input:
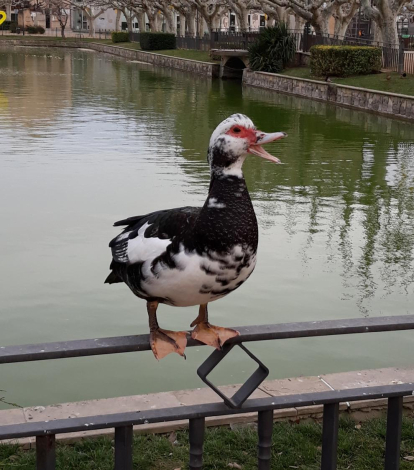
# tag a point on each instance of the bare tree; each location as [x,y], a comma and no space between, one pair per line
[211,11]
[91,9]
[61,10]
[343,15]
[316,12]
[187,10]
[385,13]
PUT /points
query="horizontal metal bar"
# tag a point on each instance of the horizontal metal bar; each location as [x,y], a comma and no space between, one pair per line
[90,423]
[123,344]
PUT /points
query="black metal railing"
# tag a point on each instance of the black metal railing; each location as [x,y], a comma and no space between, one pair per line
[123,423]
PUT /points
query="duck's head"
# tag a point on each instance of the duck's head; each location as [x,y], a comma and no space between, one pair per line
[234,139]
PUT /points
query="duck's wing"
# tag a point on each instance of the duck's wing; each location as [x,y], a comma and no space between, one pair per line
[147,236]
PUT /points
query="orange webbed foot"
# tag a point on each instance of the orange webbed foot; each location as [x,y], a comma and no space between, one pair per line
[213,335]
[164,342]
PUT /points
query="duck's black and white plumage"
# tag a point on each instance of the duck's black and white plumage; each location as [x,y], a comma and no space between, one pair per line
[195,255]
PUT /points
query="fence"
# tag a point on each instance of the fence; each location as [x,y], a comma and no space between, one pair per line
[45,432]
[217,40]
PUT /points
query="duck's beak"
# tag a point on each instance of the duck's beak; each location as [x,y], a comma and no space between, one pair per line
[263,138]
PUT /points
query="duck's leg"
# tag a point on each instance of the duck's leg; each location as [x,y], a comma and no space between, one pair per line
[164,342]
[209,334]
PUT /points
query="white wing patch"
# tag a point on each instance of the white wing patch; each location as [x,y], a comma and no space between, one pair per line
[142,249]
[213,204]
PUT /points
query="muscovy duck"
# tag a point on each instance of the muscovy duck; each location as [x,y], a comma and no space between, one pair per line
[194,255]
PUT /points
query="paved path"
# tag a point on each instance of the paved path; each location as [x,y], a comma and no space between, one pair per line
[359,410]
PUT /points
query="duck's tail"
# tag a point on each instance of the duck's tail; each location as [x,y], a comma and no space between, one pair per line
[113,278]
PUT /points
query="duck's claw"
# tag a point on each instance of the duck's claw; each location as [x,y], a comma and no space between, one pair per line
[213,335]
[164,342]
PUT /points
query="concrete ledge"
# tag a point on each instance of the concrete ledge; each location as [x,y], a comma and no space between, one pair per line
[358,410]
[379,102]
[208,69]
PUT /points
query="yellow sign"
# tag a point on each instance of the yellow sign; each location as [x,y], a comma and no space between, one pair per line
[3,17]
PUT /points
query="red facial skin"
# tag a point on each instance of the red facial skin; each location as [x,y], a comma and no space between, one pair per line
[243,134]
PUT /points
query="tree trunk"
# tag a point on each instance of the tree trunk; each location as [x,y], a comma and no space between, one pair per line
[62,31]
[191,23]
[169,21]
[152,22]
[389,30]
[242,15]
[182,25]
[117,19]
[200,26]
[129,18]
[341,26]
[91,25]
[141,21]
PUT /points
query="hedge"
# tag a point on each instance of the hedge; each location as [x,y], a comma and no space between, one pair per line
[35,29]
[5,26]
[120,36]
[342,61]
[157,41]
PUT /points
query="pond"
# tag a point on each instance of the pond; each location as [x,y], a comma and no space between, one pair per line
[87,139]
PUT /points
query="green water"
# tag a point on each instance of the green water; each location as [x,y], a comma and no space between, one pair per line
[87,139]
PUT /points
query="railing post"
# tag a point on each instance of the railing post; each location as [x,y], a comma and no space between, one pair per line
[330,436]
[123,447]
[197,427]
[401,56]
[45,452]
[264,448]
[394,421]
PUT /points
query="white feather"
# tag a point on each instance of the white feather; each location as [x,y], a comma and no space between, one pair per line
[181,287]
[142,249]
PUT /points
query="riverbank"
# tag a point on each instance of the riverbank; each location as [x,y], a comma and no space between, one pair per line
[391,82]
[198,62]
[387,104]
[336,91]
[296,446]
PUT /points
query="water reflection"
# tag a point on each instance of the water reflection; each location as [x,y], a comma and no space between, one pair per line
[88,139]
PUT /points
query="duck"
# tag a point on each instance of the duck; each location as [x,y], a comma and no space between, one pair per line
[192,256]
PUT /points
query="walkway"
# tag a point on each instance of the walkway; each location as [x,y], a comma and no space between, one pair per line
[345,380]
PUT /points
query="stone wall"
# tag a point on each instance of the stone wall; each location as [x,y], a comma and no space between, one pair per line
[389,104]
[208,69]
[186,65]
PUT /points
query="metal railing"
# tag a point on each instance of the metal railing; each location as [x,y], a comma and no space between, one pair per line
[123,423]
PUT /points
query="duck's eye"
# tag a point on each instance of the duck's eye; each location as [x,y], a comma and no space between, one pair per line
[236,130]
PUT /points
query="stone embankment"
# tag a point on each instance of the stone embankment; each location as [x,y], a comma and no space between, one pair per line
[208,69]
[359,410]
[389,104]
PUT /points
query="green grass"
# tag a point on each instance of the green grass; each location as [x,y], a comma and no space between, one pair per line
[294,446]
[182,53]
[394,84]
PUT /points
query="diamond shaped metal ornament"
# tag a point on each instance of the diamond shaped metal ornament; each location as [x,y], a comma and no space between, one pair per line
[251,384]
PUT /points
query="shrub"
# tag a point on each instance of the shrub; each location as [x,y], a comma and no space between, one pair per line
[32,29]
[5,26]
[120,36]
[157,41]
[40,29]
[342,61]
[13,27]
[273,49]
